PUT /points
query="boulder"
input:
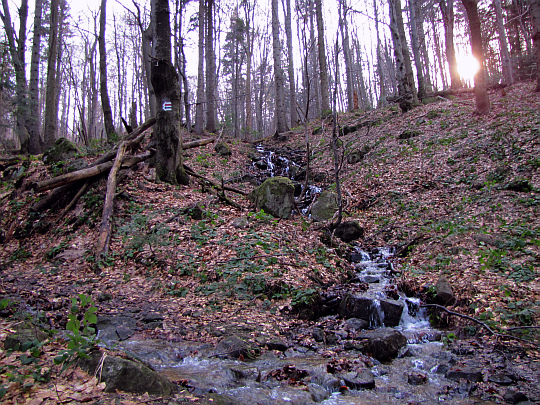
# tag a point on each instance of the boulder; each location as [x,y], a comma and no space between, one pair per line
[417,378]
[407,134]
[116,328]
[62,150]
[365,308]
[465,373]
[240,222]
[349,231]
[223,149]
[445,295]
[275,196]
[232,347]
[318,393]
[383,344]
[325,207]
[433,114]
[125,375]
[25,333]
[363,379]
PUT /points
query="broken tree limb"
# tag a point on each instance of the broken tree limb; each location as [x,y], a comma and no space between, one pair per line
[74,200]
[191,172]
[86,173]
[197,143]
[108,207]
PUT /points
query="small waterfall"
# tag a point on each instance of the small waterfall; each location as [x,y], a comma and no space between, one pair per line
[376,318]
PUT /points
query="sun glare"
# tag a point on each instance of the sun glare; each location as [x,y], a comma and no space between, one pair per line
[467,66]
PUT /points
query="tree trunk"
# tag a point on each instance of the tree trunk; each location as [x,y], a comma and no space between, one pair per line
[51,108]
[168,159]
[382,88]
[105,102]
[346,54]
[17,52]
[199,110]
[281,125]
[210,69]
[416,20]
[405,93]
[323,68]
[292,83]
[480,88]
[503,45]
[535,17]
[33,119]
[447,11]
[409,73]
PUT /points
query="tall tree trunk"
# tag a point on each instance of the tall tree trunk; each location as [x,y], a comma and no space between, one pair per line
[105,102]
[51,107]
[409,73]
[292,83]
[147,53]
[281,125]
[403,84]
[380,74]
[210,69]
[17,52]
[535,17]
[480,89]
[344,28]
[33,120]
[323,67]
[416,20]
[423,46]
[199,110]
[250,37]
[447,11]
[168,159]
[503,45]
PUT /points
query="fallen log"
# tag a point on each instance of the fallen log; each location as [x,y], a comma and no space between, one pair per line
[86,173]
[197,143]
[191,172]
[108,207]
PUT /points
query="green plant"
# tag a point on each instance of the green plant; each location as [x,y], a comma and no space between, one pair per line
[448,338]
[81,336]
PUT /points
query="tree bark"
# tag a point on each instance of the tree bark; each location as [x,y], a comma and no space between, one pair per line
[281,125]
[108,207]
[168,159]
[415,22]
[382,88]
[480,88]
[210,69]
[51,107]
[346,54]
[503,45]
[33,119]
[105,102]
[405,93]
[292,82]
[199,110]
[323,66]
[409,73]
[447,11]
[535,17]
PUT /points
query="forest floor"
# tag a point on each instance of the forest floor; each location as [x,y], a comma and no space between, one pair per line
[464,188]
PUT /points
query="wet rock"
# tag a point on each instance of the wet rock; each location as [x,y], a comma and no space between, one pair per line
[325,207]
[318,393]
[382,344]
[25,333]
[358,306]
[363,379]
[515,397]
[240,222]
[245,372]
[445,295]
[356,324]
[275,196]
[441,369]
[117,328]
[125,375]
[232,347]
[465,373]
[277,344]
[501,379]
[153,317]
[417,378]
[349,231]
[407,134]
[223,149]
[318,334]
[62,150]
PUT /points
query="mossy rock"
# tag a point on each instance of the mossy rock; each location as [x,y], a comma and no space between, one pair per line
[317,131]
[275,196]
[432,115]
[520,186]
[63,149]
[223,149]
[409,134]
[25,332]
[325,207]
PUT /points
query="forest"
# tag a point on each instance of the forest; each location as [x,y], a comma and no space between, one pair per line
[245,202]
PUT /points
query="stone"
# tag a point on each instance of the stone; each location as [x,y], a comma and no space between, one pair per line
[24,333]
[153,317]
[501,379]
[318,334]
[75,165]
[325,207]
[515,397]
[355,157]
[223,149]
[488,240]
[317,131]
[408,134]
[125,375]
[519,186]
[62,150]
[318,393]
[465,373]
[116,328]
[383,344]
[70,254]
[349,231]
[356,324]
[432,115]
[417,378]
[358,306]
[277,344]
[240,223]
[275,196]
[363,379]
[232,347]
[444,295]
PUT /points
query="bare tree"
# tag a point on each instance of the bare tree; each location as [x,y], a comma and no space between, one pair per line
[344,29]
[447,10]
[535,17]
[51,107]
[405,93]
[33,118]
[292,83]
[199,110]
[210,68]
[281,125]
[323,68]
[480,89]
[503,44]
[105,102]
[416,20]
[168,159]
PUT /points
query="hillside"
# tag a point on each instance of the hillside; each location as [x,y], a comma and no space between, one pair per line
[461,192]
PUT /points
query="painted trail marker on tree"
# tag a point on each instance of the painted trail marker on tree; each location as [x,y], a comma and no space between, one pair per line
[167,106]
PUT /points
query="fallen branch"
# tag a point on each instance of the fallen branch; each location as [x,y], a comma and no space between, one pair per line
[74,200]
[197,143]
[483,324]
[108,207]
[191,172]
